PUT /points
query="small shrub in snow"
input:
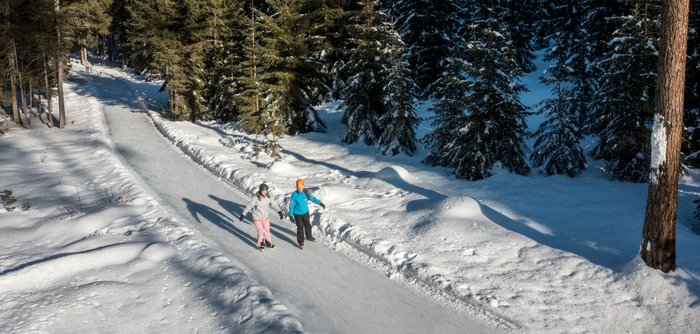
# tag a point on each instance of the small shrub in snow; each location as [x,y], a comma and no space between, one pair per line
[70,210]
[8,199]
[26,205]
[43,154]
[124,194]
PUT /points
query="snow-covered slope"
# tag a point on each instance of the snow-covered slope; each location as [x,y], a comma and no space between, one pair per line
[545,253]
[95,254]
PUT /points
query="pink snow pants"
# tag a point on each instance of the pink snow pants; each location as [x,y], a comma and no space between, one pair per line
[262,226]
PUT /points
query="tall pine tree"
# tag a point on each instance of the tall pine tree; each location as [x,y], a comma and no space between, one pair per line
[622,108]
[691,116]
[201,34]
[400,120]
[369,63]
[480,120]
[557,149]
[428,28]
[154,44]
[224,64]
[262,83]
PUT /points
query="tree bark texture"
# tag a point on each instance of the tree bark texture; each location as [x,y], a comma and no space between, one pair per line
[23,97]
[658,247]
[47,90]
[12,59]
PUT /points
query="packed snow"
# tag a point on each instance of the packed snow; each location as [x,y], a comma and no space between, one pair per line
[535,253]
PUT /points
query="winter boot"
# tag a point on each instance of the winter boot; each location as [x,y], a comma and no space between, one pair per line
[269,244]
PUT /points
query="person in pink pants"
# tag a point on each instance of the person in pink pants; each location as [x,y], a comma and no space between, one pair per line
[260,204]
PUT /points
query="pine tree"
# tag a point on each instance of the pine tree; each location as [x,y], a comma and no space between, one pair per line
[521,18]
[400,118]
[9,46]
[448,144]
[329,20]
[369,63]
[224,64]
[557,149]
[202,25]
[87,20]
[262,87]
[480,120]
[300,68]
[691,116]
[623,105]
[428,28]
[154,43]
[658,247]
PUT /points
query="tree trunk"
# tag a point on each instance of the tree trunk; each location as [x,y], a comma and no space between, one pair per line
[13,83]
[59,69]
[47,89]
[658,247]
[23,97]
[31,101]
[83,57]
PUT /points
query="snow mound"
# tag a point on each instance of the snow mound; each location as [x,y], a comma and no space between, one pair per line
[453,211]
[393,173]
[336,194]
[282,168]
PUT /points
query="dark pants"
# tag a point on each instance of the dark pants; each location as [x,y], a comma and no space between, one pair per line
[303,225]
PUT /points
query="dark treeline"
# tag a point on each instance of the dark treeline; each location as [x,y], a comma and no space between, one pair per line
[35,36]
[266,64]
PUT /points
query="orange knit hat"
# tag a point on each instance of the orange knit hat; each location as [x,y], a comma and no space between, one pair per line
[300,183]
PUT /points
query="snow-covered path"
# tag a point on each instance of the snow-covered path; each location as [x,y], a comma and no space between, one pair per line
[329,292]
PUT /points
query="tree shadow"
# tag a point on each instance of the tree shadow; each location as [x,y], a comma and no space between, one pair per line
[387,174]
[599,257]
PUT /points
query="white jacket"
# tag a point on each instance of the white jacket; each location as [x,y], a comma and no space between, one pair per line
[261,206]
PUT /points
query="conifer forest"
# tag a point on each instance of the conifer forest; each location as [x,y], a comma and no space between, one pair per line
[267,64]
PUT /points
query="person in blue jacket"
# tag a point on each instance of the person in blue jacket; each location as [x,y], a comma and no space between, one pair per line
[299,212]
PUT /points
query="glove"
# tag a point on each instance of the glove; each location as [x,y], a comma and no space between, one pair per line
[280,213]
[323,206]
[291,219]
[241,217]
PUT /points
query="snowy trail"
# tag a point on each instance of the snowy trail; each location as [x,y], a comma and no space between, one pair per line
[329,292]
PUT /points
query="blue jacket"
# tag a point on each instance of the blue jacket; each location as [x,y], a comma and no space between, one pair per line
[299,205]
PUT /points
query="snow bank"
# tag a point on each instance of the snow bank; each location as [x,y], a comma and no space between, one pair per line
[527,253]
[94,253]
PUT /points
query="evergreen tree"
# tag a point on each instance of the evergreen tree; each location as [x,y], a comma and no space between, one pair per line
[597,28]
[202,27]
[85,22]
[691,117]
[369,64]
[428,28]
[449,146]
[299,70]
[224,64]
[154,46]
[480,120]
[262,86]
[623,105]
[557,148]
[332,22]
[399,95]
[9,34]
[521,18]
